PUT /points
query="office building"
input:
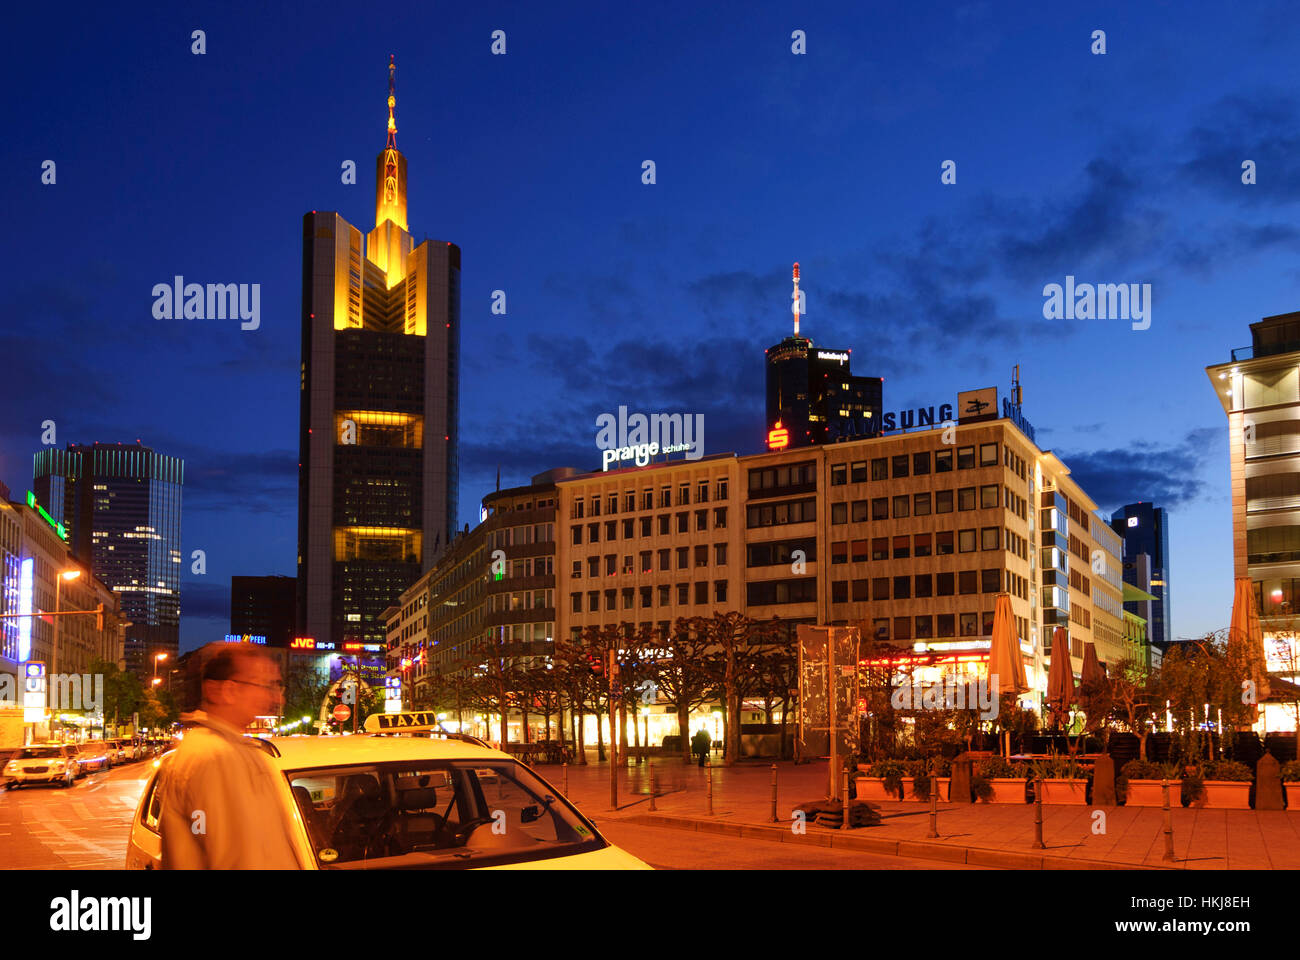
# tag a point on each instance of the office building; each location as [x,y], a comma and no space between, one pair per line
[121,506]
[264,607]
[1144,528]
[812,396]
[378,419]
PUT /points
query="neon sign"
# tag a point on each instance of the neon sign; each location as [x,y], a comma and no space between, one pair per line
[59,528]
[778,438]
[25,574]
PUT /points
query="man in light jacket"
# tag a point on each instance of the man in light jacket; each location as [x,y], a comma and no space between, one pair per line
[223,804]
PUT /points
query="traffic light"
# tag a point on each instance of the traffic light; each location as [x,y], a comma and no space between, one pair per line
[597,666]
[99,617]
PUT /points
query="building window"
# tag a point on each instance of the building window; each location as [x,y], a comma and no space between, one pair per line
[901,504]
[683,594]
[719,518]
[840,552]
[628,596]
[989,581]
[593,601]
[702,592]
[880,469]
[663,594]
[577,536]
[839,591]
[879,548]
[902,547]
[664,561]
[683,494]
[986,628]
[647,561]
[920,504]
[663,524]
[880,628]
[966,498]
[593,533]
[629,501]
[611,564]
[576,598]
[858,472]
[577,509]
[943,501]
[988,496]
[967,582]
[646,525]
[683,522]
[719,591]
[720,554]
[943,543]
[613,503]
[921,547]
[861,591]
[861,552]
[702,492]
[593,567]
[965,458]
[947,625]
[880,588]
[665,496]
[969,624]
[577,569]
[722,489]
[988,454]
[839,513]
[701,520]
[647,499]
[902,588]
[611,530]
[645,596]
[989,538]
[683,557]
[595,506]
[943,584]
[880,508]
[627,529]
[924,585]
[943,461]
[839,475]
[859,513]
[902,628]
[921,463]
[702,555]
[965,541]
[900,466]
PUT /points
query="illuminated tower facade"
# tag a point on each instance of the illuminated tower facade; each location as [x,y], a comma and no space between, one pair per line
[377,482]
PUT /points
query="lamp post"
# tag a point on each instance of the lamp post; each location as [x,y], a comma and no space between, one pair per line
[58,589]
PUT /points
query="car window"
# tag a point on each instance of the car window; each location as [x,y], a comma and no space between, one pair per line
[38,753]
[151,809]
[435,814]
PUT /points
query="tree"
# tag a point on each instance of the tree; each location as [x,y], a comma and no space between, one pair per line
[682,676]
[1131,693]
[733,642]
[305,689]
[122,691]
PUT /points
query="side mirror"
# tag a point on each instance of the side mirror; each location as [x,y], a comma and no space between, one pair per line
[530,813]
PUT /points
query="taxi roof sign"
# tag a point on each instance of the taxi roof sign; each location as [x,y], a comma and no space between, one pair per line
[390,722]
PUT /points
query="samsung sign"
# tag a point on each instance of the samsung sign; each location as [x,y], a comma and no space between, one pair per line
[920,417]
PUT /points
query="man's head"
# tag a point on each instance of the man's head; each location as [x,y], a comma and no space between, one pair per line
[241,682]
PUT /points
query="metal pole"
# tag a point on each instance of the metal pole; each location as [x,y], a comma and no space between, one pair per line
[774,793]
[654,785]
[830,690]
[1038,814]
[1169,823]
[708,770]
[613,732]
[934,806]
[54,653]
[844,792]
[566,778]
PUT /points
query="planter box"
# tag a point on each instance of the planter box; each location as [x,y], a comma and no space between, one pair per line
[910,794]
[1064,791]
[1227,794]
[1292,795]
[872,788]
[1007,789]
[1150,793]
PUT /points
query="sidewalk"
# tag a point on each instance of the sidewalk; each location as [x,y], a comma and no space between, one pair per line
[994,835]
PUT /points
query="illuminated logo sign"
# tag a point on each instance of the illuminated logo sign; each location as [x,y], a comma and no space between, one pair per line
[778,438]
[26,571]
[302,643]
[1012,412]
[639,437]
[1132,521]
[828,355]
[356,647]
[920,417]
[245,638]
[383,722]
[59,528]
[977,404]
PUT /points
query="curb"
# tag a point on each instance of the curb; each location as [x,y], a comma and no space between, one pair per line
[916,849]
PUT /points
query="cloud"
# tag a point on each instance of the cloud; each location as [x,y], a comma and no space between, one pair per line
[1264,128]
[1160,474]
[205,600]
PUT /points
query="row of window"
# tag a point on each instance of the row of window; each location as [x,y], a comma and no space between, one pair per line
[914,464]
[917,504]
[921,586]
[646,527]
[646,558]
[519,536]
[940,626]
[520,600]
[645,596]
[781,512]
[591,508]
[903,546]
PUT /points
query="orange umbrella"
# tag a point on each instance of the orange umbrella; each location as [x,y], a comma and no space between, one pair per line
[1060,678]
[1006,665]
[1246,639]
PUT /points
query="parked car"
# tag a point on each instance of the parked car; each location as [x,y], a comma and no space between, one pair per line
[43,763]
[92,755]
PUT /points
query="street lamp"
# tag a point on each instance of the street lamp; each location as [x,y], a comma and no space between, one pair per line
[58,589]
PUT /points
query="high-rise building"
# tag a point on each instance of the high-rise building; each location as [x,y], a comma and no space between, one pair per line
[121,506]
[264,607]
[812,397]
[1144,528]
[378,418]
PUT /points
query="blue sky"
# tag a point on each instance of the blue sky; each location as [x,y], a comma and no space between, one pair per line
[1124,167]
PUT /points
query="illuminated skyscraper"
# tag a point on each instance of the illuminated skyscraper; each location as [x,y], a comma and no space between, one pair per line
[377,481]
[121,506]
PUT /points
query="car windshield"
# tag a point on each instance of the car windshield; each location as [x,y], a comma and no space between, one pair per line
[40,753]
[435,814]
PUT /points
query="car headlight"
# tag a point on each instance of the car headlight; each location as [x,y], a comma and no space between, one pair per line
[56,765]
[11,767]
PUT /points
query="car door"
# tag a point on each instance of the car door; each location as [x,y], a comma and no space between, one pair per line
[144,849]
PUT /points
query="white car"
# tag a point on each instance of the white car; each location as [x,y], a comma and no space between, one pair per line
[375,802]
[43,763]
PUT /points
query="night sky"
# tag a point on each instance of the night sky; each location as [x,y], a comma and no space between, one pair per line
[1120,168]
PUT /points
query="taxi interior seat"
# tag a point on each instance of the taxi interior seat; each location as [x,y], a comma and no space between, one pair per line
[364,819]
[417,822]
[315,828]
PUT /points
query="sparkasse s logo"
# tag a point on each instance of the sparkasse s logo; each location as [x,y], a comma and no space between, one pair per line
[73,914]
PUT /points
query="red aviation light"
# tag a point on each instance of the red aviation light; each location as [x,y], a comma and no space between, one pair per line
[778,438]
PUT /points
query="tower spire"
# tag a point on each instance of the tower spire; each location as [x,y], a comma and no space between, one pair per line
[794,307]
[390,186]
[392,102]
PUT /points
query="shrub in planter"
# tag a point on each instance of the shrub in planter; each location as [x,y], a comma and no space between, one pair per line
[916,778]
[1223,783]
[1064,780]
[1291,783]
[1143,784]
[998,781]
[890,772]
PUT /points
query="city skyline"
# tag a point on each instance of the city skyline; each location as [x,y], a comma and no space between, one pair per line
[937,287]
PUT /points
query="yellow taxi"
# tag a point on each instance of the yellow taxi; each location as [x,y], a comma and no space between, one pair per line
[425,799]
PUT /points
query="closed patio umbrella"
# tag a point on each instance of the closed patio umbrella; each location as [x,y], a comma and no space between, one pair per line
[1060,678]
[1246,640]
[1094,692]
[1006,665]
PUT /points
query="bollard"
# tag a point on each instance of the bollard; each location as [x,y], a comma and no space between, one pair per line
[774,820]
[1038,814]
[844,790]
[1169,823]
[708,771]
[566,779]
[654,786]
[934,807]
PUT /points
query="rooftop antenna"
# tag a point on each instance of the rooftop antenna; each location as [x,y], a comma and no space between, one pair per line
[794,307]
[1015,385]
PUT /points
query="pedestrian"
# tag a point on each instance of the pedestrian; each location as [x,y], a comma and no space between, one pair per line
[223,800]
[700,744]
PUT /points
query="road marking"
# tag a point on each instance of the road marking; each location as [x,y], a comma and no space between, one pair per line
[77,842]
